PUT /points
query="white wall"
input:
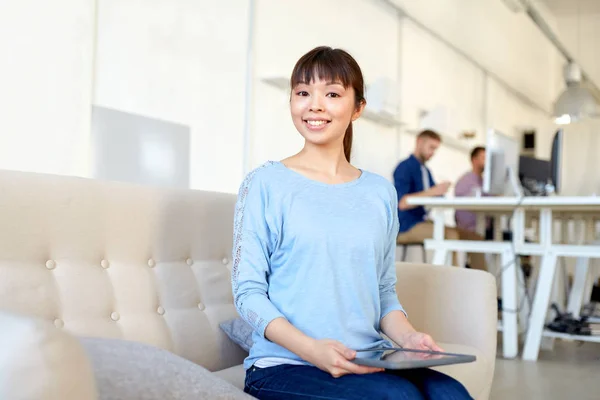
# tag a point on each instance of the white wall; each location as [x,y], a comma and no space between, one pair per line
[184,62]
[580,35]
[511,116]
[287,30]
[434,75]
[581,164]
[429,73]
[581,170]
[45,85]
[506,43]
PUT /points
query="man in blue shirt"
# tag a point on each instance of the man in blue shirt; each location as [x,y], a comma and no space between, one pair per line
[413,179]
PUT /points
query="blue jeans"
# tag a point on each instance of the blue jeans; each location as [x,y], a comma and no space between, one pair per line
[295,382]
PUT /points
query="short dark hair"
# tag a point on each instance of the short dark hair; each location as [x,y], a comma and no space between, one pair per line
[429,134]
[475,152]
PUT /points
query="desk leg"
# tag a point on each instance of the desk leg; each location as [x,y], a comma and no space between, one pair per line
[579,281]
[510,334]
[440,256]
[540,307]
[523,299]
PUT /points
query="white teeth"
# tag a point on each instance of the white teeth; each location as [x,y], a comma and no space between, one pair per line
[316,123]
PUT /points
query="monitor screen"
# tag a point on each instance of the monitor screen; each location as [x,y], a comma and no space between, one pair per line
[556,160]
[501,159]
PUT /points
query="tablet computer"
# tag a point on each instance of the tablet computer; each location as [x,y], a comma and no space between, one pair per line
[401,358]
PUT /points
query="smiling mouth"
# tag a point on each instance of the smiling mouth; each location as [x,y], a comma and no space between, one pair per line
[316,122]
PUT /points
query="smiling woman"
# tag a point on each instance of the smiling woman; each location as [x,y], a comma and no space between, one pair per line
[327,87]
[315,227]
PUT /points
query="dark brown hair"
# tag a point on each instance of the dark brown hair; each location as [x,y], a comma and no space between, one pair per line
[429,134]
[475,152]
[332,65]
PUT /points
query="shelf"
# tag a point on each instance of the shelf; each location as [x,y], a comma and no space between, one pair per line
[380,117]
[566,336]
[278,82]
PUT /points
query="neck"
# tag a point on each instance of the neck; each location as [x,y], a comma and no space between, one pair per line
[419,157]
[477,171]
[328,159]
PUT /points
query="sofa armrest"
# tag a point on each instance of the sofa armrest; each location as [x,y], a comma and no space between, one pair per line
[41,362]
[453,305]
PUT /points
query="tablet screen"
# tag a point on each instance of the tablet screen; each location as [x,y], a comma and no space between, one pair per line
[398,355]
[408,358]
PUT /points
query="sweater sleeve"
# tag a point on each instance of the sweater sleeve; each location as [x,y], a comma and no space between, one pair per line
[252,247]
[387,282]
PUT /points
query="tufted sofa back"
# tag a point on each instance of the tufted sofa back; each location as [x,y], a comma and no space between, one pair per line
[108,259]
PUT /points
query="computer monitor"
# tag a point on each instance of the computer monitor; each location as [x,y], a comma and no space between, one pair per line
[501,165]
[534,175]
[543,177]
[556,160]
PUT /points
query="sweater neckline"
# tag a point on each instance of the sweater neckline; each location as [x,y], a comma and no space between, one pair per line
[323,184]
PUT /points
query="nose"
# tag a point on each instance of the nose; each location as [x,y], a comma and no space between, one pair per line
[316,104]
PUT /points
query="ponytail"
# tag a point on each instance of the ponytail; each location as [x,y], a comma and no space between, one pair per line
[348,142]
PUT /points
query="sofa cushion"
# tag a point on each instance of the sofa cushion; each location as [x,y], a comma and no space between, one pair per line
[234,375]
[131,370]
[239,331]
[42,362]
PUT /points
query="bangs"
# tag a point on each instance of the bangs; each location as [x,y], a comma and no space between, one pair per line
[323,64]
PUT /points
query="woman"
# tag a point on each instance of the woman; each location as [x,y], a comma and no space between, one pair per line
[314,254]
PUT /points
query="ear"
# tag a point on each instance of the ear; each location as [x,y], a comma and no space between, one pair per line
[359,110]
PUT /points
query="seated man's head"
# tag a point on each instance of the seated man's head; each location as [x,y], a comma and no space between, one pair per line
[478,159]
[427,143]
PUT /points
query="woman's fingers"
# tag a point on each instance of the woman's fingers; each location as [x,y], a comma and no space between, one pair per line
[348,367]
[433,346]
[430,344]
[348,354]
[342,364]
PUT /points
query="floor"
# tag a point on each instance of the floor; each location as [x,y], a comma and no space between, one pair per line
[571,371]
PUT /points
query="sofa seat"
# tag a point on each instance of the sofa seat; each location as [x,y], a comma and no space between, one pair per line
[472,375]
[234,375]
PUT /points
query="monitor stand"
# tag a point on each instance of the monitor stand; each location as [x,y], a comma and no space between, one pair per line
[515,185]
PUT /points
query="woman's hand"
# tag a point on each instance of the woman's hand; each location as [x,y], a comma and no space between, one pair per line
[418,341]
[396,326]
[335,358]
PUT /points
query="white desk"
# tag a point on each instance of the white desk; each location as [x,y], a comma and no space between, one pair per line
[546,210]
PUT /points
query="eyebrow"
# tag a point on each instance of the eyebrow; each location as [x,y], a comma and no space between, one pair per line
[328,83]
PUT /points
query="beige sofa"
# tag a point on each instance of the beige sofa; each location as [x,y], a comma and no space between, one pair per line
[82,258]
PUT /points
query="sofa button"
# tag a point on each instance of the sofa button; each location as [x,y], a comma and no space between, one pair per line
[50,264]
[151,263]
[189,262]
[59,323]
[115,316]
[160,310]
[201,306]
[225,261]
[105,264]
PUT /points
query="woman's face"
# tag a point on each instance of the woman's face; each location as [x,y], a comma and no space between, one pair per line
[321,111]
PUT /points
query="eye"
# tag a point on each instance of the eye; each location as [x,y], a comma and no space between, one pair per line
[332,94]
[302,93]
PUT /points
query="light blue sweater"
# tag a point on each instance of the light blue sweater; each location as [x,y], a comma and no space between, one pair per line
[320,255]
